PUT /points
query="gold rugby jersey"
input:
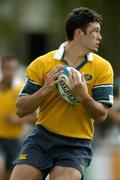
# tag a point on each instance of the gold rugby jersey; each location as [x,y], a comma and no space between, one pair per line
[8,98]
[56,114]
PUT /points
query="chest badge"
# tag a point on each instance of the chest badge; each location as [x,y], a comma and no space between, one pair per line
[88,77]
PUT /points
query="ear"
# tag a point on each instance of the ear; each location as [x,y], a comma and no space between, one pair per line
[78,32]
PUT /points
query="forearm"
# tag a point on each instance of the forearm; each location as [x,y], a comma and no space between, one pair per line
[96,110]
[114,114]
[28,104]
[14,119]
[32,118]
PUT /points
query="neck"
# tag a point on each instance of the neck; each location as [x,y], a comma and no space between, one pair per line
[5,84]
[74,54]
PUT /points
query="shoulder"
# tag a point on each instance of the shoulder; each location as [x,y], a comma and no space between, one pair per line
[103,71]
[43,64]
[46,58]
[100,61]
[40,67]
[101,64]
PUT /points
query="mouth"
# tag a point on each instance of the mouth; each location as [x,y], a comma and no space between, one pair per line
[97,45]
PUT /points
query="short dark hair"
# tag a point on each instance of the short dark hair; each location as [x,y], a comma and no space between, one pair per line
[8,58]
[80,18]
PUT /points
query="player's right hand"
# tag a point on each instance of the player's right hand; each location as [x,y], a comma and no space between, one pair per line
[52,79]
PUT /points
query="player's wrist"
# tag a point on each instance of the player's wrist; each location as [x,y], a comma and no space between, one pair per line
[44,91]
[84,98]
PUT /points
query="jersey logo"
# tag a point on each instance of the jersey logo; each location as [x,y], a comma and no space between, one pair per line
[111,98]
[88,77]
[23,156]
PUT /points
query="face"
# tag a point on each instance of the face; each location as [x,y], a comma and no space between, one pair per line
[90,40]
[9,69]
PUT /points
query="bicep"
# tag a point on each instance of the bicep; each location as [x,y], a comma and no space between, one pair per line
[103,94]
[103,87]
[34,78]
[30,87]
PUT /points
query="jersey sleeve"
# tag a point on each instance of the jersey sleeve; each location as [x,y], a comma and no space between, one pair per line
[34,78]
[103,87]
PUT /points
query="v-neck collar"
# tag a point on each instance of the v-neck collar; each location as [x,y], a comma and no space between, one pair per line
[82,63]
[60,56]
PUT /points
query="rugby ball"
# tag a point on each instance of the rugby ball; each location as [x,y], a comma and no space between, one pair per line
[63,89]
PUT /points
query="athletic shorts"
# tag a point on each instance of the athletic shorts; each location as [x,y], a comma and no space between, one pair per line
[45,150]
[9,150]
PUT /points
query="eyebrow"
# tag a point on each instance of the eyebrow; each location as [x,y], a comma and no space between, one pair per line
[94,29]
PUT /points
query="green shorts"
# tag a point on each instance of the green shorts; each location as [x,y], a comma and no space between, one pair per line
[9,150]
[45,150]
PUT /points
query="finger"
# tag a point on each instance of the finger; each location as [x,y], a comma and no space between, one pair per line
[58,81]
[55,76]
[54,71]
[70,76]
[83,78]
[58,68]
[63,81]
[75,76]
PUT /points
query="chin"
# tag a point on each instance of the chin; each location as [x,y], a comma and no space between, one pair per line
[95,50]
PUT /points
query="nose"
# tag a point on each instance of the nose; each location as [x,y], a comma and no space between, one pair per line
[99,37]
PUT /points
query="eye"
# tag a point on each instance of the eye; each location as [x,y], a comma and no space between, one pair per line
[97,30]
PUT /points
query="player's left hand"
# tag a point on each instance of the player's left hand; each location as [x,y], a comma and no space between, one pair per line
[77,85]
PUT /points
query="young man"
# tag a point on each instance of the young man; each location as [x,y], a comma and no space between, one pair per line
[60,144]
[10,123]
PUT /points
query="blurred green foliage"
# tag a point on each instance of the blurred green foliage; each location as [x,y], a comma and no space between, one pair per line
[11,30]
[110,11]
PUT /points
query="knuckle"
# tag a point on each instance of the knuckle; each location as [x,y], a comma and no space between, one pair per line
[47,76]
[72,87]
[75,85]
